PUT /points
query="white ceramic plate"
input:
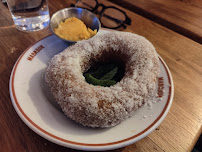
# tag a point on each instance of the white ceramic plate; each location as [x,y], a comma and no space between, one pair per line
[35,109]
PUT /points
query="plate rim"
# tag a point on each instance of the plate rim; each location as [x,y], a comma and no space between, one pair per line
[86,146]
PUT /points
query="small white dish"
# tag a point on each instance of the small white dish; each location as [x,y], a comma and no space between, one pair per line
[34,107]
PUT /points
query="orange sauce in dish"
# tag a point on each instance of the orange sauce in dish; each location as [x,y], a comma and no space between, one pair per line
[74,29]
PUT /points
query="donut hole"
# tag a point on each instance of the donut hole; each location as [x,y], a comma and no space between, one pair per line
[106,70]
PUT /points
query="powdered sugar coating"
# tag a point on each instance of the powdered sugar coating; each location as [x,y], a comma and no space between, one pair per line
[98,106]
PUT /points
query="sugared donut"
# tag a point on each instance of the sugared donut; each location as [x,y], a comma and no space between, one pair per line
[98,106]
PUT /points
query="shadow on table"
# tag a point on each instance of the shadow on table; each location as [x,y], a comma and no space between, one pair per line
[198,146]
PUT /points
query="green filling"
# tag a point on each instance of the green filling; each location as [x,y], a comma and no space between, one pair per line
[92,80]
[110,74]
[106,74]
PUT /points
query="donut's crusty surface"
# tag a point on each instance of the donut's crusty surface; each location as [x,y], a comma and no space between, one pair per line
[98,106]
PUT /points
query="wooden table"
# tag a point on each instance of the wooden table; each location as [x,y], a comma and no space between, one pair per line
[182,16]
[181,127]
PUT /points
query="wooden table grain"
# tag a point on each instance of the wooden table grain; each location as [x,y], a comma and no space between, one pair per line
[181,127]
[182,16]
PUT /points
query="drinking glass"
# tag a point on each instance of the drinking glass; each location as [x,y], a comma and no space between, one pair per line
[29,15]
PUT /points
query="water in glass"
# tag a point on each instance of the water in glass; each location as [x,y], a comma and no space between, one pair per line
[29,15]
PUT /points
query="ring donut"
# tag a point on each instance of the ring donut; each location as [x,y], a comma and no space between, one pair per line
[97,106]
